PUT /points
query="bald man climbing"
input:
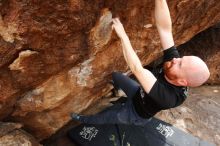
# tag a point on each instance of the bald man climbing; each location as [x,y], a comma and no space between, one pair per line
[157,90]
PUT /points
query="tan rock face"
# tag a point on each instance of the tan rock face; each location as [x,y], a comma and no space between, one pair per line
[11,134]
[56,57]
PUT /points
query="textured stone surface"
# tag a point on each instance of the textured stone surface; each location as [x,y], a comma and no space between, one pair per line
[12,135]
[8,127]
[56,57]
[199,115]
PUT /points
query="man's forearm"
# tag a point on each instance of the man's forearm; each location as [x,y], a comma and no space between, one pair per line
[130,56]
[144,76]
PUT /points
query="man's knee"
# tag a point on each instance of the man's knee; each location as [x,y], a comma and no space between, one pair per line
[116,75]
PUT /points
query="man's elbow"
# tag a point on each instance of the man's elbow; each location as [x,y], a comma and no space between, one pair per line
[136,69]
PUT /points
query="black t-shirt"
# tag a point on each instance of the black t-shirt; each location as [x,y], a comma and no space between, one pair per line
[163,95]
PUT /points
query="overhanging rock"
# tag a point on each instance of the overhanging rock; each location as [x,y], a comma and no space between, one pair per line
[55,58]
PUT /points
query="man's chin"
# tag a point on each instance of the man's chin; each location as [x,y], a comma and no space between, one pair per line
[165,72]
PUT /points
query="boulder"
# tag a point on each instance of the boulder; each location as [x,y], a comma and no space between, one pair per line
[56,57]
[11,134]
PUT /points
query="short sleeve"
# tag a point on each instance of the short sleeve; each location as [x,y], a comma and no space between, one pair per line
[170,53]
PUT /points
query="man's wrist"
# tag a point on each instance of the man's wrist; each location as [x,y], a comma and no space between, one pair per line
[124,37]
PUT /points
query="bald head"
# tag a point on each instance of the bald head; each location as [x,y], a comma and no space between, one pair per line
[196,71]
[186,71]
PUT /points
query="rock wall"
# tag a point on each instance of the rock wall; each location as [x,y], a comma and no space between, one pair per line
[11,135]
[56,57]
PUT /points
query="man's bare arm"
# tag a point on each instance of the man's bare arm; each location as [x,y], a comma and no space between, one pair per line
[145,77]
[164,23]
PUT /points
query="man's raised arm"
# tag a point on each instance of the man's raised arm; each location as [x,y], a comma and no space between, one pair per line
[164,23]
[145,77]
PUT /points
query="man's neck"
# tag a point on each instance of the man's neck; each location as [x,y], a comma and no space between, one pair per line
[170,81]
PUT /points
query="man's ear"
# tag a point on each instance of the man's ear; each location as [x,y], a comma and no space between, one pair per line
[182,82]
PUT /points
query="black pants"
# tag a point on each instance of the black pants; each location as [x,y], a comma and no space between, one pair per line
[119,113]
[125,83]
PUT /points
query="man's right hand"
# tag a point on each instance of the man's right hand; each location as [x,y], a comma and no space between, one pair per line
[119,29]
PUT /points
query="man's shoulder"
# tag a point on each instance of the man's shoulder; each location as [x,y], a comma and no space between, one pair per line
[179,91]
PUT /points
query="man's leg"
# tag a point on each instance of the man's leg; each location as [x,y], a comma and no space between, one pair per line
[116,114]
[125,83]
[130,88]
